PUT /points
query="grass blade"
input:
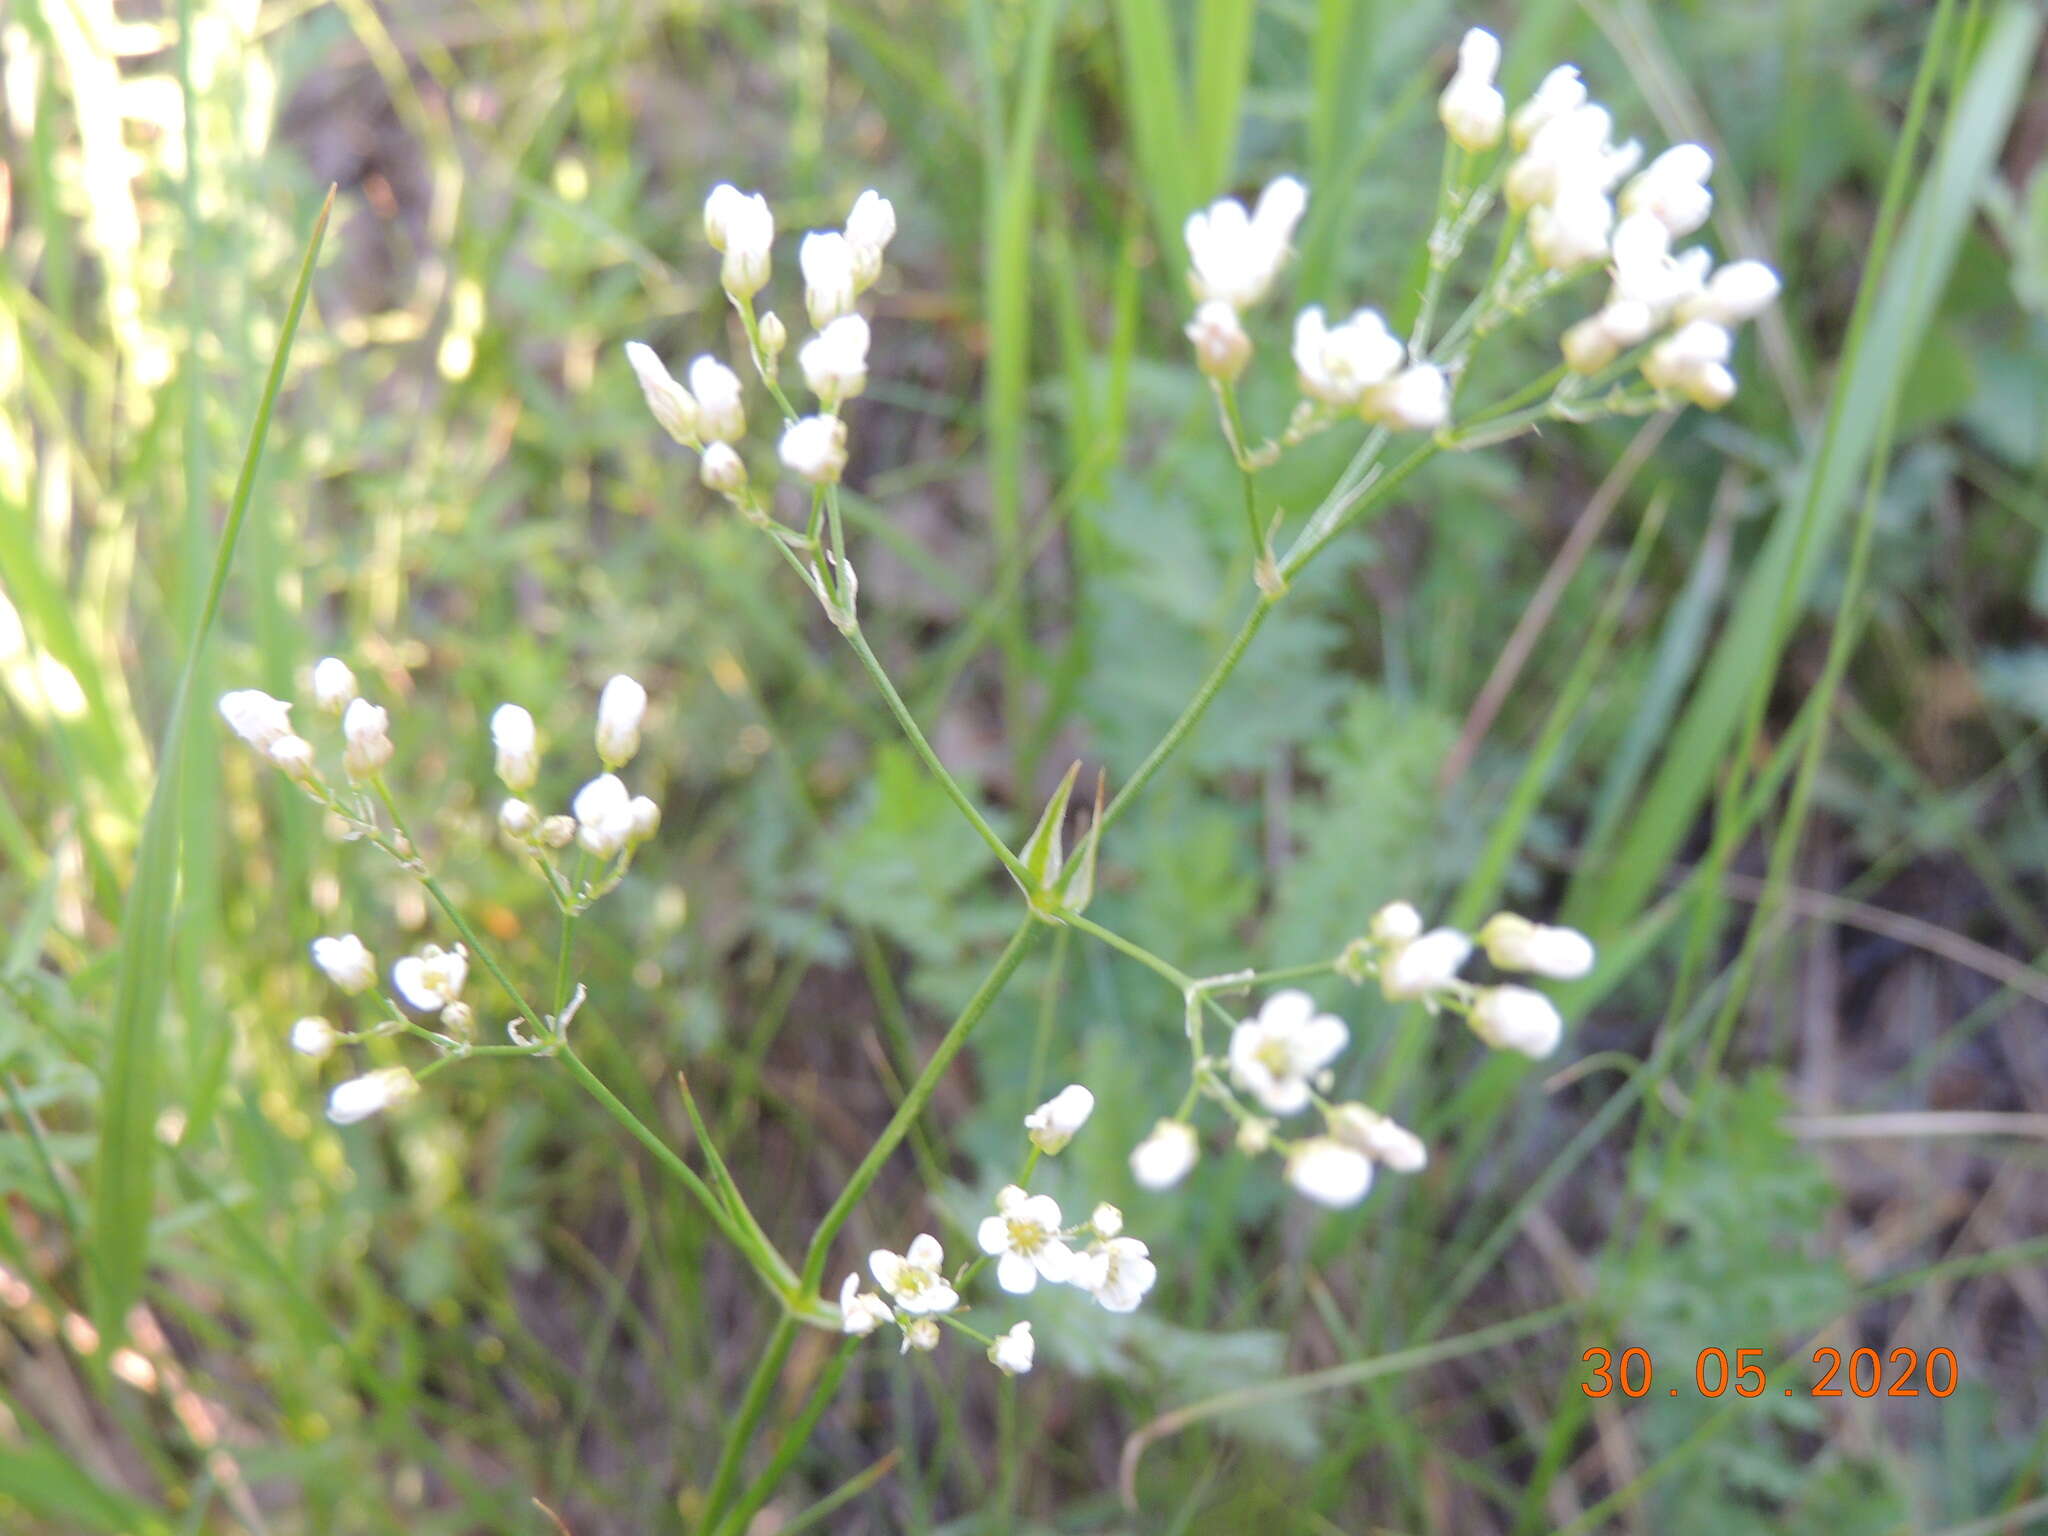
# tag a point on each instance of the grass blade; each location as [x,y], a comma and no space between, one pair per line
[124,1184]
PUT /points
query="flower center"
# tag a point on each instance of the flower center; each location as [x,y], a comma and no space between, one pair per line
[1026,1237]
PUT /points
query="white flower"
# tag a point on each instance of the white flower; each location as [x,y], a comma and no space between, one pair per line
[870,226]
[1234,256]
[366,742]
[1649,282]
[835,361]
[646,818]
[860,1312]
[826,257]
[1692,361]
[346,962]
[1117,1273]
[518,820]
[1378,1137]
[431,979]
[1275,1056]
[1396,923]
[723,470]
[1338,365]
[1472,109]
[620,710]
[1024,1237]
[669,402]
[1516,944]
[517,750]
[1329,1172]
[333,685]
[1163,1158]
[604,815]
[920,1333]
[1740,291]
[1673,189]
[913,1277]
[1560,92]
[721,412]
[314,1037]
[1221,346]
[1570,150]
[814,449]
[1517,1019]
[293,756]
[1426,966]
[1417,399]
[1106,1220]
[256,717]
[1572,230]
[1053,1123]
[1011,1353]
[742,227]
[371,1094]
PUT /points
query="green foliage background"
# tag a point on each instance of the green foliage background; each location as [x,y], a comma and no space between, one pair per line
[430,1324]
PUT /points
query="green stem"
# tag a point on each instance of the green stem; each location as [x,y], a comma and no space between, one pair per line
[793,1441]
[913,1103]
[1136,951]
[951,785]
[752,1405]
[765,1261]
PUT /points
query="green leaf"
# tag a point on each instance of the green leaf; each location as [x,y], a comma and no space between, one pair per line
[125,1184]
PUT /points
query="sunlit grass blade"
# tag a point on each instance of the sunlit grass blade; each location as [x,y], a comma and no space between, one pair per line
[124,1184]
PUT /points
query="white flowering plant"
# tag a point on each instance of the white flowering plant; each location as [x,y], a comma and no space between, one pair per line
[1562,204]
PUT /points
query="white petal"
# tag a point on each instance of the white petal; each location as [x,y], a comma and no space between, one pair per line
[1287,1010]
[1016,1274]
[993,1235]
[1055,1261]
[924,1251]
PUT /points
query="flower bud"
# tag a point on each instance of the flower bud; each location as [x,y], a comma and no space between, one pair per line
[1012,1352]
[723,470]
[1337,365]
[1573,230]
[1107,1220]
[743,228]
[293,756]
[518,752]
[334,686]
[256,717]
[1163,1158]
[721,411]
[1221,347]
[1740,291]
[518,820]
[920,1333]
[835,361]
[1396,923]
[1561,91]
[814,449]
[459,1019]
[1378,1137]
[1053,1124]
[314,1038]
[1472,111]
[361,1097]
[870,226]
[829,287]
[646,818]
[1417,399]
[346,962]
[669,402]
[1515,944]
[604,815]
[366,743]
[1425,966]
[1329,1172]
[558,831]
[431,979]
[620,709]
[1255,1136]
[773,333]
[1517,1019]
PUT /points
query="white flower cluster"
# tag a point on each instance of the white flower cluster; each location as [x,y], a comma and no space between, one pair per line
[265,724]
[1234,257]
[1281,1058]
[606,818]
[837,266]
[1028,1240]
[429,982]
[1414,965]
[1563,176]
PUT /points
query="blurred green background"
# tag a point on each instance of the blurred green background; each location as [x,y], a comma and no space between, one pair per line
[1784,765]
